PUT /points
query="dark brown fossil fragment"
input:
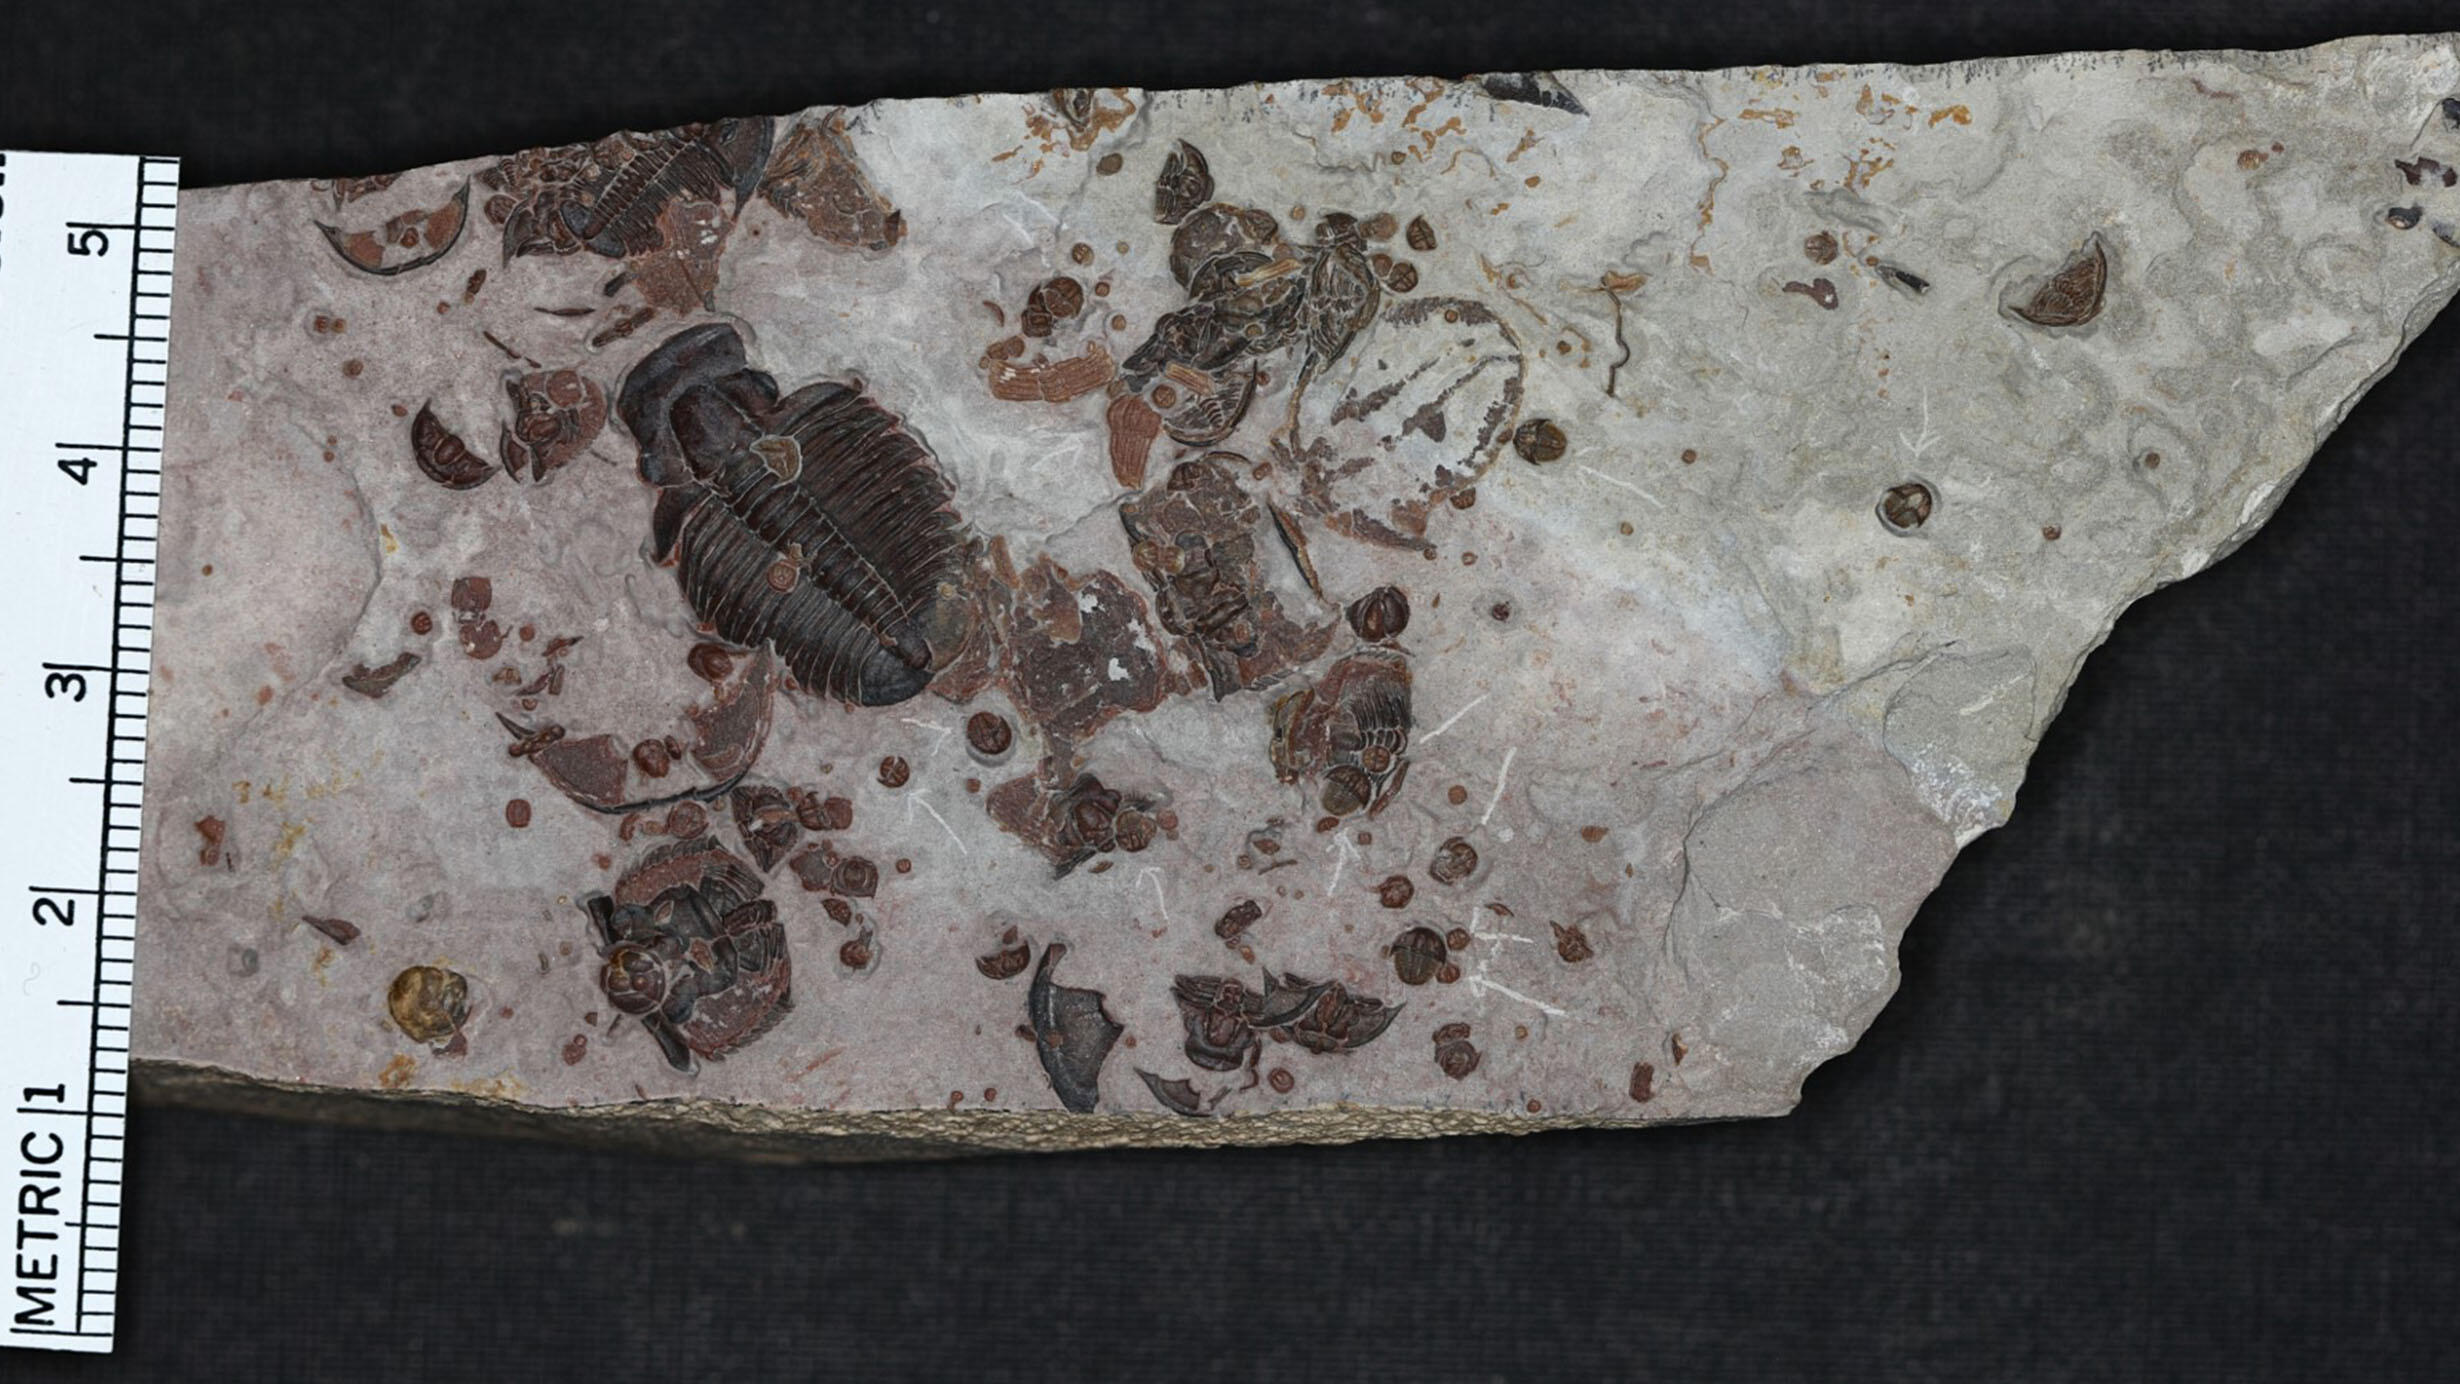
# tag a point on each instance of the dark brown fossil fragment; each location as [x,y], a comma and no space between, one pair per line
[1540,440]
[1454,1052]
[443,457]
[556,415]
[1572,944]
[816,177]
[429,1003]
[1455,860]
[1419,235]
[1216,1012]
[1381,614]
[1350,732]
[989,736]
[1072,1034]
[692,950]
[1334,1020]
[342,931]
[2072,296]
[1906,507]
[1006,960]
[1177,1094]
[859,517]
[409,241]
[1194,541]
[1236,919]
[1417,954]
[1185,184]
[375,682]
[766,820]
[607,197]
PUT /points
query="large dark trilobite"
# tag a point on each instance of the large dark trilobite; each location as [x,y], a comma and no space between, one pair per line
[814,522]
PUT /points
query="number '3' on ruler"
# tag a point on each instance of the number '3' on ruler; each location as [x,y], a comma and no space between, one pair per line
[85,326]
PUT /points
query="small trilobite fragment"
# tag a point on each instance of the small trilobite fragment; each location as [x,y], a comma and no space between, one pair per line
[556,415]
[1072,1033]
[1417,954]
[1350,731]
[1177,1094]
[1076,105]
[1419,235]
[1194,542]
[871,548]
[443,457]
[989,736]
[1455,860]
[429,1003]
[766,819]
[1540,440]
[692,951]
[342,931]
[1334,1020]
[1572,944]
[1008,959]
[1381,614]
[375,682]
[409,241]
[1185,184]
[1454,1052]
[1236,919]
[2072,296]
[1217,1012]
[1906,507]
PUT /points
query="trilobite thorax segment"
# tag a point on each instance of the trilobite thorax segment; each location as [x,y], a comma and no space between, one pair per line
[814,522]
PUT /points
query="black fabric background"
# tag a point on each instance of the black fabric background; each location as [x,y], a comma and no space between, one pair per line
[2167,1093]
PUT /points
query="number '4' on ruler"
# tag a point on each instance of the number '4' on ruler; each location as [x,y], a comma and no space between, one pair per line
[85,326]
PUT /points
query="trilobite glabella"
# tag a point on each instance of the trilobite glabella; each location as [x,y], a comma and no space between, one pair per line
[813,522]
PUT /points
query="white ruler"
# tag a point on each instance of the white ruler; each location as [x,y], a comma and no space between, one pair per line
[85,325]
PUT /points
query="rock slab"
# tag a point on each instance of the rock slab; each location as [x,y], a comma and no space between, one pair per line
[1311,611]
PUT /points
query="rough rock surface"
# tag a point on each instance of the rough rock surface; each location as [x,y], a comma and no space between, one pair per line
[1303,612]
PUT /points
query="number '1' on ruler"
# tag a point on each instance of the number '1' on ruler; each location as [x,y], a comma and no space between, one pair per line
[85,326]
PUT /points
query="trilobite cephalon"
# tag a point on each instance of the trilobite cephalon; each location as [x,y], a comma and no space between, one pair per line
[692,950]
[812,522]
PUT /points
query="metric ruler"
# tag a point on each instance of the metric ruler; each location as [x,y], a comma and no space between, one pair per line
[85,326]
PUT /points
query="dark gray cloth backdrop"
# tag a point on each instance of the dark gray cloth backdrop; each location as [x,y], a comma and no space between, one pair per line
[2167,1093]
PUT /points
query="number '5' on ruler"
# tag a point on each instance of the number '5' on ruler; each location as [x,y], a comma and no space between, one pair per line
[85,326]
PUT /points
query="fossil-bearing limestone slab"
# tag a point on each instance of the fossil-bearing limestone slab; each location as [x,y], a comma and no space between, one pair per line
[1302,612]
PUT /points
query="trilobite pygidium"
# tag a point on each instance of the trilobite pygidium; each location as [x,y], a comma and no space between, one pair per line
[813,522]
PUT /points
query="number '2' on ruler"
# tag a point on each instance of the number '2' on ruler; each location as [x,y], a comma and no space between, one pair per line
[85,326]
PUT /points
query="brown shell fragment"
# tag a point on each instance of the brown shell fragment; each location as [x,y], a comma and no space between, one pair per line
[692,951]
[443,457]
[409,241]
[1056,381]
[766,820]
[988,735]
[1381,614]
[341,931]
[1078,653]
[879,551]
[1454,1053]
[816,178]
[1419,235]
[428,1003]
[1906,507]
[1235,920]
[375,682]
[2070,297]
[1177,1094]
[1184,184]
[1336,1021]
[1194,541]
[1540,440]
[556,415]
[1008,960]
[1132,425]
[1071,1031]
[1395,892]
[1417,954]
[1350,731]
[1572,944]
[1455,860]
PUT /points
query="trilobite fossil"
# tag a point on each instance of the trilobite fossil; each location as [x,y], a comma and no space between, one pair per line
[814,521]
